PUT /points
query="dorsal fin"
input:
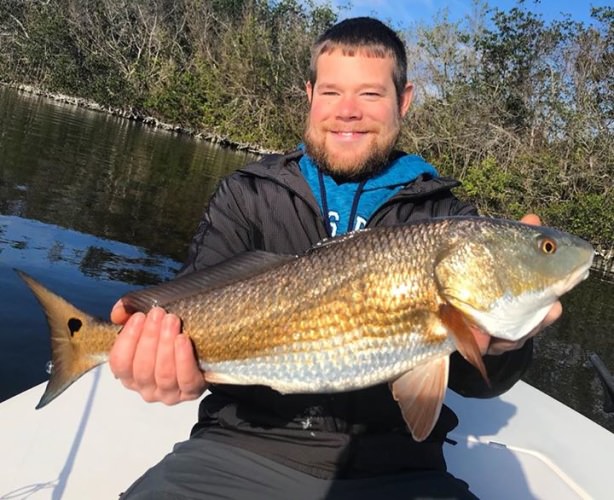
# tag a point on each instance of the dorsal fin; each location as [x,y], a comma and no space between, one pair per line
[335,240]
[238,268]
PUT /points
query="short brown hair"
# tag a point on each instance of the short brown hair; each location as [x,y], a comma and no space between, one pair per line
[367,35]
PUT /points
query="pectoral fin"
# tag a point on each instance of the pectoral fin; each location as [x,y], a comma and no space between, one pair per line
[420,393]
[461,331]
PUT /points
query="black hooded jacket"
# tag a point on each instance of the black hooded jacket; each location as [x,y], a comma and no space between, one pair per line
[269,206]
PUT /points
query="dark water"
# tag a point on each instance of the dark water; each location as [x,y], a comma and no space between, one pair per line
[561,367]
[93,206]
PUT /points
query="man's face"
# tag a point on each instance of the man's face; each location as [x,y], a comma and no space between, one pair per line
[355,116]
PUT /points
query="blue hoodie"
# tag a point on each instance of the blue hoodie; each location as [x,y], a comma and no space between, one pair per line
[350,204]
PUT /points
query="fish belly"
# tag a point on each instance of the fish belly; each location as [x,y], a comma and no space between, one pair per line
[331,366]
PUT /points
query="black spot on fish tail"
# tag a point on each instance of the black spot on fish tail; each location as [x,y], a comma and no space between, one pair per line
[74,325]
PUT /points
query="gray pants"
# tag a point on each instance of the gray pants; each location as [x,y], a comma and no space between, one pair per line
[202,469]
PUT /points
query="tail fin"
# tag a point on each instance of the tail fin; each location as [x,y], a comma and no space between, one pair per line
[71,355]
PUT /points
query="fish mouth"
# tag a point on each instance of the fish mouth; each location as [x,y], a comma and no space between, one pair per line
[577,276]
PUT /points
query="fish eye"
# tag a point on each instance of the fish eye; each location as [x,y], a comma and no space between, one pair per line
[547,246]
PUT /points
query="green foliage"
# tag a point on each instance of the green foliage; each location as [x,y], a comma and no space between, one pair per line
[186,97]
[519,109]
[490,187]
[589,215]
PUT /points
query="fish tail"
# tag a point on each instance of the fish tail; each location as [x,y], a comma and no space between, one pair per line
[70,356]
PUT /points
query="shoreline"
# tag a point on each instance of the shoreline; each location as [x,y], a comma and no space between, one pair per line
[604,258]
[135,115]
[603,264]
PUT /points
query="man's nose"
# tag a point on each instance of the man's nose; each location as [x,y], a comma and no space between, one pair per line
[348,108]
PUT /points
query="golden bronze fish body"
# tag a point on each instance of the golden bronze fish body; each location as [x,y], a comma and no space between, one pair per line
[334,320]
[384,304]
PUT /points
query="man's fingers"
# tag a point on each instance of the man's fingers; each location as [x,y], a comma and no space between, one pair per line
[531,219]
[151,357]
[119,315]
[145,355]
[555,313]
[165,374]
[121,357]
[189,376]
[499,346]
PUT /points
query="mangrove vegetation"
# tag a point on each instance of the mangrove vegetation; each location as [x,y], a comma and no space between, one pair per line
[520,109]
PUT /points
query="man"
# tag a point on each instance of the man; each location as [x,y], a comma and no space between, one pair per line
[252,442]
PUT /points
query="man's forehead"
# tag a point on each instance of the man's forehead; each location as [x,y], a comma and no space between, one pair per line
[375,51]
[353,66]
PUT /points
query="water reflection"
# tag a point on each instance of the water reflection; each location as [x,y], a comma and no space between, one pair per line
[89,271]
[103,175]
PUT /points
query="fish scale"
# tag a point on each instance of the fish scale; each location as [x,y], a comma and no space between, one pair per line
[281,310]
[381,305]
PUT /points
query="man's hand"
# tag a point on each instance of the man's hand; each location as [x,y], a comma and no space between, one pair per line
[152,357]
[492,345]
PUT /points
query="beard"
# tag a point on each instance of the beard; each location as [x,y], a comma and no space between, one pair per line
[354,170]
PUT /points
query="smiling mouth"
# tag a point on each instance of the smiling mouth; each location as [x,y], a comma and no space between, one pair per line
[348,134]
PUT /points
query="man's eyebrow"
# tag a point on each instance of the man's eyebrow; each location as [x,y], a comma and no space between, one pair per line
[325,85]
[368,85]
[373,86]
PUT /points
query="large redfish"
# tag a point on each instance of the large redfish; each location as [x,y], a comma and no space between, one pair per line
[380,305]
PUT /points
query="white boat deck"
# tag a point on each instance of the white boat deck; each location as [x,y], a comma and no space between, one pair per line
[98,437]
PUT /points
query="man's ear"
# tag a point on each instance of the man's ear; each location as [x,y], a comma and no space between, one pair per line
[406,99]
[309,90]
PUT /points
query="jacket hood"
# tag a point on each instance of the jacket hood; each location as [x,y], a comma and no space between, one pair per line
[287,173]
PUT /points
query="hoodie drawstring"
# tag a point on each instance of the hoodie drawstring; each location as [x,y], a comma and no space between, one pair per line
[357,195]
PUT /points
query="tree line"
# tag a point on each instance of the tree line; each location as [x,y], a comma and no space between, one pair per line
[520,109]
